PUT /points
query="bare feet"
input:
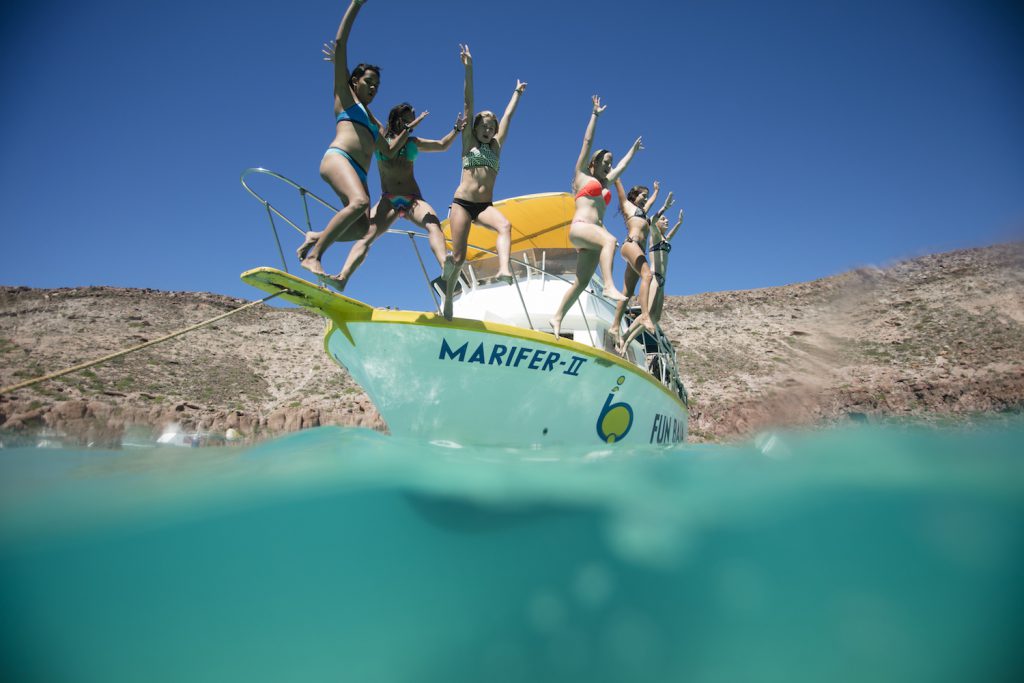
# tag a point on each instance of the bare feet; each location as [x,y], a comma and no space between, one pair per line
[646,321]
[615,335]
[334,282]
[556,325]
[615,295]
[312,264]
[448,269]
[620,348]
[311,238]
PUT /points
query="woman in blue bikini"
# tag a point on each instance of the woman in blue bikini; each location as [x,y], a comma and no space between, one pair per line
[482,143]
[344,164]
[400,193]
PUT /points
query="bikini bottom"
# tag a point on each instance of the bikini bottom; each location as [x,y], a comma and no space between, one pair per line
[474,209]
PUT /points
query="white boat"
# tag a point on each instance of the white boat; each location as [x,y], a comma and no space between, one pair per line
[495,375]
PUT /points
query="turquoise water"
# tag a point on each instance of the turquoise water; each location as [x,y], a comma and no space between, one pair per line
[868,554]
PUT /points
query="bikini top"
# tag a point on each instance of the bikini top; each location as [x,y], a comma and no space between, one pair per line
[357,114]
[593,188]
[481,155]
[409,152]
[663,245]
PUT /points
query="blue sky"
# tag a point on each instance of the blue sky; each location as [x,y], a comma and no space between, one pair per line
[803,138]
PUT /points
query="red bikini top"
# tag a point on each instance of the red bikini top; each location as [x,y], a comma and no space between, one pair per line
[593,189]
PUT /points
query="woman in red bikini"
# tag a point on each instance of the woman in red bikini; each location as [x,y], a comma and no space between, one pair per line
[482,143]
[587,233]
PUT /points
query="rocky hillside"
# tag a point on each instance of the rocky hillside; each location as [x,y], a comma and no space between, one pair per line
[939,337]
[934,338]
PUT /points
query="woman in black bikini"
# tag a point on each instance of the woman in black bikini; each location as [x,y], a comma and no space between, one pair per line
[659,262]
[482,143]
[634,206]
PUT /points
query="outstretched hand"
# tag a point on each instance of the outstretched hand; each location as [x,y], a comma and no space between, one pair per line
[520,86]
[639,144]
[597,105]
[460,122]
[669,201]
[680,221]
[467,59]
[328,52]
[416,121]
[657,185]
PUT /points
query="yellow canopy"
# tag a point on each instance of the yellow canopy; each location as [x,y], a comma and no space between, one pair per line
[539,221]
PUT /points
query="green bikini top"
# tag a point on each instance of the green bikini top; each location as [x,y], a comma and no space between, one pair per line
[482,155]
[409,152]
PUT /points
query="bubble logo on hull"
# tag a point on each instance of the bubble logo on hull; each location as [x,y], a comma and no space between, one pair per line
[615,419]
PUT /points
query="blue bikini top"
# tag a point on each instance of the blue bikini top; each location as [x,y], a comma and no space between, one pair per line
[357,114]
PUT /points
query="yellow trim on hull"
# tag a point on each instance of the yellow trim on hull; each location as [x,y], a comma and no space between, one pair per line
[341,310]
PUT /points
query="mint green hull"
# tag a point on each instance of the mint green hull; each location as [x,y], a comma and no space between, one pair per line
[441,382]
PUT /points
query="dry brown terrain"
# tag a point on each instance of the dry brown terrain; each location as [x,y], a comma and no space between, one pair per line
[939,337]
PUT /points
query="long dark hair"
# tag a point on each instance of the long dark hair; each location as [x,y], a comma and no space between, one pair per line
[361,69]
[395,119]
[635,191]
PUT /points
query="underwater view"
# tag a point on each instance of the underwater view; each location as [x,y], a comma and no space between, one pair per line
[868,553]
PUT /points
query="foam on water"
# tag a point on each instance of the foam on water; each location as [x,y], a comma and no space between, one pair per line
[878,554]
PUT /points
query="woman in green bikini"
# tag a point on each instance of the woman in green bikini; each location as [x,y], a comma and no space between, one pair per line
[400,193]
[482,143]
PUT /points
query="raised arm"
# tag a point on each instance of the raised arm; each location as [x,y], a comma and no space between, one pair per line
[588,137]
[444,143]
[623,200]
[342,92]
[506,118]
[390,147]
[672,232]
[669,201]
[467,110]
[653,198]
[621,167]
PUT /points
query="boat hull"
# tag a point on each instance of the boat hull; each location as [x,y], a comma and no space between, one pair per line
[486,383]
[442,380]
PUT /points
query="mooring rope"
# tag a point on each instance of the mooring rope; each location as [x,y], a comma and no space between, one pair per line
[125,352]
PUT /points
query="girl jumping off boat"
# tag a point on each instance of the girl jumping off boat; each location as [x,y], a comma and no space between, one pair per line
[344,164]
[400,193]
[482,144]
[587,232]
[634,206]
[659,264]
